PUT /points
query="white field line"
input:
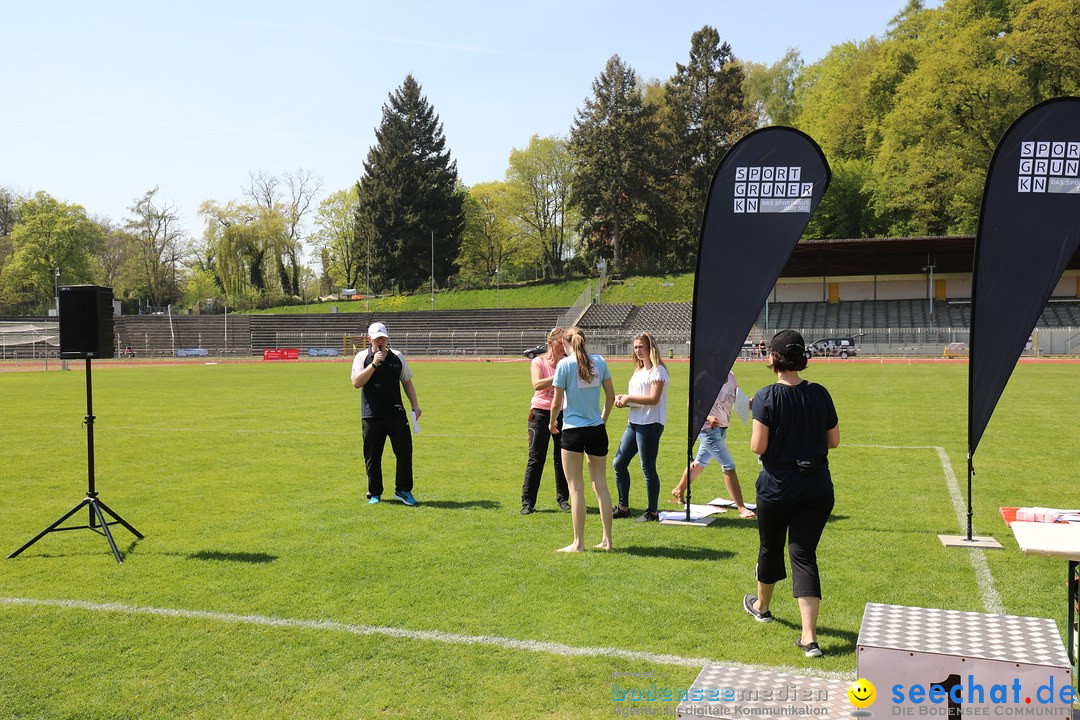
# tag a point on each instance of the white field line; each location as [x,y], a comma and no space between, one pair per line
[991,600]
[990,597]
[534,646]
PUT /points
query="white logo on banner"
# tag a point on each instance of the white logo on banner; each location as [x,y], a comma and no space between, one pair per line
[771,189]
[1049,166]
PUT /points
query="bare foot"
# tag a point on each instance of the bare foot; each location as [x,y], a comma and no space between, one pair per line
[746,513]
[571,548]
[605,546]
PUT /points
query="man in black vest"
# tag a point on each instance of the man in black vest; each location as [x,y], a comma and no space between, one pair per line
[377,372]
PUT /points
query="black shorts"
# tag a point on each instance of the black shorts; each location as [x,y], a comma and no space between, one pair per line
[589,440]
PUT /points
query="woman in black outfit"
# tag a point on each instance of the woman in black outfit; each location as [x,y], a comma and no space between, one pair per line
[795,426]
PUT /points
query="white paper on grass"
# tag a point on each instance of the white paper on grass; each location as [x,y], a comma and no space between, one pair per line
[696,512]
[415,422]
[724,502]
[742,406]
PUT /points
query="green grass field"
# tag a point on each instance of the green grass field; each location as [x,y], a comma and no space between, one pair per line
[263,571]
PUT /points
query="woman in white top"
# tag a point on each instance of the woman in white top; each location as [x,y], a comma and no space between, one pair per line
[647,400]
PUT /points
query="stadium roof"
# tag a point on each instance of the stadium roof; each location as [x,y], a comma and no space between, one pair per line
[886,256]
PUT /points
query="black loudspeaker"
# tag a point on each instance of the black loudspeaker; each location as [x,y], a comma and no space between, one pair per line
[86,322]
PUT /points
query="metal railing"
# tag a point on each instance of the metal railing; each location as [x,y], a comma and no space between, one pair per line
[884,342]
[574,313]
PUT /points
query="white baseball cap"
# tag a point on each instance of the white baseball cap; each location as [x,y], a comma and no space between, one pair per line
[376,330]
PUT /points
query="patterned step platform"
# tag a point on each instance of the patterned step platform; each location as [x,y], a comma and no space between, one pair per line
[724,692]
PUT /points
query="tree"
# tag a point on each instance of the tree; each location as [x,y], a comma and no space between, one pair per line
[242,248]
[770,89]
[49,236]
[614,144]
[9,211]
[336,240]
[846,210]
[485,242]
[538,189]
[409,193]
[265,192]
[198,285]
[1045,41]
[9,216]
[708,114]
[159,241]
[949,113]
[117,262]
[833,102]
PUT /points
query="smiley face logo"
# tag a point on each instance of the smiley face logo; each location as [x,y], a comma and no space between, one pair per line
[862,693]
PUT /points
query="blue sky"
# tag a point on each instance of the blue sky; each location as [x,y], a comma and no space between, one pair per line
[102,101]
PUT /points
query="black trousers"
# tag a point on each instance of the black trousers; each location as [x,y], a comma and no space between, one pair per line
[539,436]
[802,521]
[376,430]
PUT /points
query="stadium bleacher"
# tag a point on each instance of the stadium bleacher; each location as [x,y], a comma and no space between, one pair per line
[436,333]
[892,323]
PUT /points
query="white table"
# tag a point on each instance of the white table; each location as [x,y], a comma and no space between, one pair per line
[1056,540]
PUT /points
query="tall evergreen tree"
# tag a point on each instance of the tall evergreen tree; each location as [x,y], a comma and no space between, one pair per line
[708,114]
[409,191]
[614,142]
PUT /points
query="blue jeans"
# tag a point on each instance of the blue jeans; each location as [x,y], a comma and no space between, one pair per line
[643,439]
[712,445]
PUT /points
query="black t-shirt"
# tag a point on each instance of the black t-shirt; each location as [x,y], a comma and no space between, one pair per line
[798,418]
[381,396]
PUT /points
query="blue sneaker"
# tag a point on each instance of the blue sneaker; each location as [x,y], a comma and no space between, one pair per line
[373,500]
[406,497]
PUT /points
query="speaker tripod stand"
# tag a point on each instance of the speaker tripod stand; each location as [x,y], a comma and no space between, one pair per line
[95,507]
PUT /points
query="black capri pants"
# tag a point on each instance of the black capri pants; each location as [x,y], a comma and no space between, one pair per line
[801,519]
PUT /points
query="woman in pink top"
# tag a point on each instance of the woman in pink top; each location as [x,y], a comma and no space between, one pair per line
[542,370]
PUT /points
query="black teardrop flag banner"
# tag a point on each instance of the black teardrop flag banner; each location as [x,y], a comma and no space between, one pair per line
[1029,229]
[760,201]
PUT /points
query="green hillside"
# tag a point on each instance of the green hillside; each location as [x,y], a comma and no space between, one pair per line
[637,290]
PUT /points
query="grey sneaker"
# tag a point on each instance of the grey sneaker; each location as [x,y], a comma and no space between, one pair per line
[763,617]
[810,649]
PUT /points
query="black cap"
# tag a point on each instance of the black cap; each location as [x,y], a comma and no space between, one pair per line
[788,344]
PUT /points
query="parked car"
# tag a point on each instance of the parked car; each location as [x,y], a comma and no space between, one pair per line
[534,351]
[956,349]
[841,347]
